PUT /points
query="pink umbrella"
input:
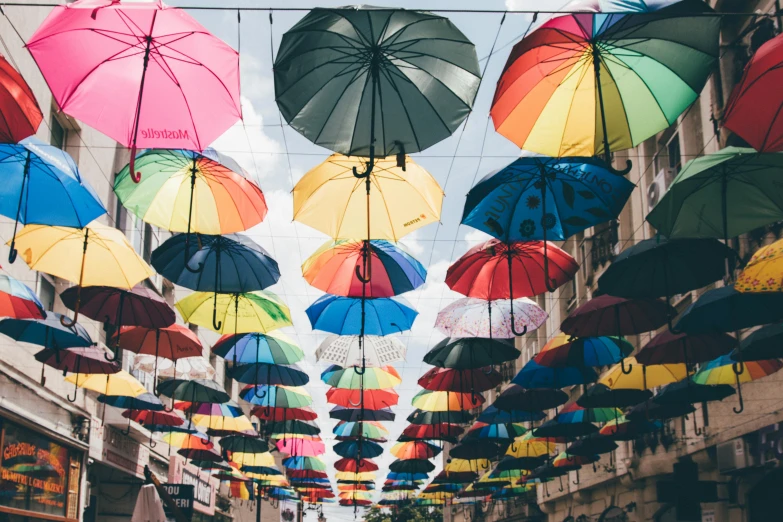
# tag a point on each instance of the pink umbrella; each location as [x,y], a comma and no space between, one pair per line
[301,447]
[145,74]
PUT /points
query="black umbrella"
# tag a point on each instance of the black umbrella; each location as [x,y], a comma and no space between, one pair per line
[195,390]
[265,373]
[454,477]
[517,398]
[689,392]
[764,343]
[594,444]
[439,417]
[471,352]
[523,463]
[651,410]
[554,429]
[412,466]
[492,415]
[727,310]
[359,414]
[601,396]
[244,444]
[477,449]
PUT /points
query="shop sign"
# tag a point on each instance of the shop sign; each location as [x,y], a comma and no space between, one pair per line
[183,496]
[769,443]
[123,452]
[204,486]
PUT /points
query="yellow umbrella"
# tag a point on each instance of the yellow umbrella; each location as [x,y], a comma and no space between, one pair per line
[350,475]
[259,311]
[95,255]
[214,422]
[642,377]
[764,272]
[463,465]
[253,459]
[330,199]
[529,446]
[121,383]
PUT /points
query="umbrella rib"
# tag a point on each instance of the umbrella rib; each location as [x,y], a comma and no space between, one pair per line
[619,94]
[359,72]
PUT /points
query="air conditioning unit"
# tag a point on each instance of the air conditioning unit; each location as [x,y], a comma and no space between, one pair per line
[734,456]
[658,187]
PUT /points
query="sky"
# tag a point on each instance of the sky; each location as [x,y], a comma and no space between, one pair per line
[278,156]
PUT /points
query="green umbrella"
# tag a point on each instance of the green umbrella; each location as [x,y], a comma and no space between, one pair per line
[369,81]
[722,195]
[370,379]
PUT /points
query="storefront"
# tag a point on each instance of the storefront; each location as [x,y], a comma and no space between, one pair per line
[39,477]
[204,487]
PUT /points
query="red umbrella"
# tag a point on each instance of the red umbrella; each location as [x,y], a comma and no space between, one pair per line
[461,381]
[373,399]
[306,473]
[670,348]
[755,107]
[351,465]
[21,114]
[145,74]
[154,418]
[483,272]
[284,414]
[433,431]
[355,502]
[172,342]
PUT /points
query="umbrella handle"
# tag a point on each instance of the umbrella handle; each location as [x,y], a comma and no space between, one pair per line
[576,483]
[739,396]
[152,443]
[255,392]
[696,430]
[75,391]
[12,253]
[217,325]
[513,329]
[357,371]
[135,176]
[186,260]
[361,277]
[620,172]
[127,431]
[623,369]
[352,403]
[72,322]
[561,485]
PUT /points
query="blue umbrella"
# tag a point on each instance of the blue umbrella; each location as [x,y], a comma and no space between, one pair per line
[406,476]
[42,185]
[257,348]
[358,449]
[343,315]
[533,375]
[145,401]
[265,373]
[491,415]
[231,263]
[727,310]
[48,332]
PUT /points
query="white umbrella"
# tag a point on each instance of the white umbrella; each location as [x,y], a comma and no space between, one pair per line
[186,368]
[343,350]
[471,317]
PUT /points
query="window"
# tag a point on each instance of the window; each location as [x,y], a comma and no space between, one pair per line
[673,151]
[46,292]
[59,136]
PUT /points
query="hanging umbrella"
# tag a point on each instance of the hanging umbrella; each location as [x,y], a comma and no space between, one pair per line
[726,310]
[691,393]
[202,454]
[21,114]
[355,477]
[471,353]
[736,186]
[279,414]
[227,263]
[670,348]
[462,381]
[486,270]
[308,473]
[563,351]
[753,110]
[724,370]
[304,463]
[349,316]
[96,255]
[568,430]
[446,401]
[219,426]
[116,384]
[264,373]
[492,415]
[415,450]
[518,398]
[139,306]
[276,396]
[609,315]
[642,377]
[146,75]
[574,413]
[337,268]
[442,431]
[533,375]
[350,465]
[464,465]
[145,401]
[437,417]
[261,311]
[588,84]
[366,429]
[651,410]
[764,271]
[470,317]
[367,399]
[412,466]
[196,390]
[301,447]
[271,348]
[424,58]
[530,446]
[90,360]
[154,418]
[345,350]
[357,449]
[497,432]
[171,342]
[371,379]
[602,396]
[243,444]
[764,343]
[211,409]
[186,368]
[42,185]
[349,414]
[292,427]
[17,301]
[624,429]
[330,199]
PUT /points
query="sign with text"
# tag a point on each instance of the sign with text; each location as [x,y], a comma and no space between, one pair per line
[204,486]
[183,496]
[124,452]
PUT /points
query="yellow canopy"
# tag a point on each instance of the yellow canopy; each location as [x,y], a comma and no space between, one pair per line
[350,475]
[249,312]
[213,422]
[529,446]
[253,459]
[462,465]
[115,384]
[642,377]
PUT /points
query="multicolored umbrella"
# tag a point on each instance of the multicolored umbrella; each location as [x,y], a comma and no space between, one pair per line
[243,444]
[492,415]
[96,255]
[574,413]
[353,414]
[624,429]
[462,381]
[249,312]
[339,268]
[726,310]
[437,417]
[17,301]
[269,374]
[446,401]
[724,370]
[366,429]
[642,377]
[271,348]
[276,396]
[500,432]
[43,186]
[147,75]
[313,463]
[412,466]
[442,431]
[277,414]
[345,350]
[588,84]
[370,379]
[564,350]
[753,110]
[470,317]
[351,465]
[301,447]
[357,316]
[367,399]
[764,271]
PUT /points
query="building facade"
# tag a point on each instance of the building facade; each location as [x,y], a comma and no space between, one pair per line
[741,453]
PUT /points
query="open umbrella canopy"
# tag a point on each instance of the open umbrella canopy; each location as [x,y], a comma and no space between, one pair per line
[574,413]
[446,401]
[155,418]
[764,343]
[292,427]
[470,353]
[692,392]
[544,198]
[47,332]
[415,450]
[412,466]
[556,428]
[564,351]
[493,415]
[652,411]
[736,186]
[282,414]
[365,429]
[276,396]
[271,348]
[42,185]
[449,379]
[501,432]
[525,464]
[401,199]
[243,444]
[249,312]
[367,399]
[351,465]
[228,263]
[358,449]
[196,390]
[624,429]
[753,111]
[642,377]
[370,379]
[89,360]
[764,271]
[145,401]
[602,396]
[669,348]
[344,315]
[721,371]
[270,374]
[139,306]
[17,300]
[306,473]
[443,431]
[419,416]
[171,342]
[471,317]
[483,271]
[21,114]
[344,350]
[301,447]
[188,440]
[313,463]
[517,398]
[534,375]
[354,414]
[334,268]
[609,315]
[120,383]
[661,267]
[725,309]
[219,426]
[585,84]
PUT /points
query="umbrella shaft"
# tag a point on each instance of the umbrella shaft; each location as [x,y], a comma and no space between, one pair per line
[597,67]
